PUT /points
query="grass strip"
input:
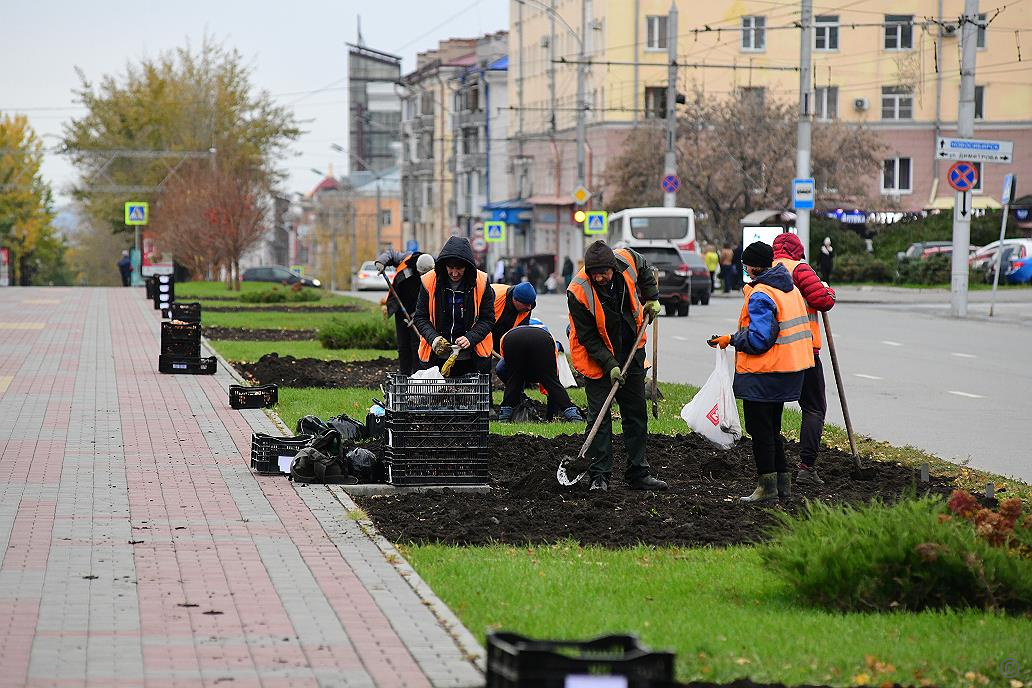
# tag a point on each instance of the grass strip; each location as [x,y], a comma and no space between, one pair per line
[251,351]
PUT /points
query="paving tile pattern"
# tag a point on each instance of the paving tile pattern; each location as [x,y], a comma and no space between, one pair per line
[138,549]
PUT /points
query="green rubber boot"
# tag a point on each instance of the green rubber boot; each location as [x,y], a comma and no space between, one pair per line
[766,489]
[784,486]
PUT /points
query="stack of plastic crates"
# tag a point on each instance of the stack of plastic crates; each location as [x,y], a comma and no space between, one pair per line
[164,291]
[437,430]
[187,312]
[181,350]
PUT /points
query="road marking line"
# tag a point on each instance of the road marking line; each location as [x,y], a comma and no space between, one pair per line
[679,338]
[890,343]
[5,382]
[960,355]
[867,377]
[966,394]
[22,325]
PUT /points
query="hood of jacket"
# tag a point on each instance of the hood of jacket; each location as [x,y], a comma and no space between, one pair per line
[777,277]
[787,245]
[456,248]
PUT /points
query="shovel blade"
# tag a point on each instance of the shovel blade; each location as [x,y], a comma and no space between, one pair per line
[572,466]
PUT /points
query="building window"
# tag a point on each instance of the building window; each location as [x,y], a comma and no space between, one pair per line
[754,33]
[655,102]
[978,172]
[656,30]
[385,217]
[897,102]
[896,176]
[899,31]
[825,32]
[980,40]
[826,102]
[753,95]
[426,103]
[979,102]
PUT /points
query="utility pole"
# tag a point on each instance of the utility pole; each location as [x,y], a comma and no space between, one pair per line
[379,216]
[333,249]
[354,250]
[581,67]
[551,69]
[805,110]
[670,162]
[965,130]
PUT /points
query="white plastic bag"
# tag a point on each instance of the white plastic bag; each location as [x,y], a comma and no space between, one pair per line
[713,412]
[428,374]
[565,374]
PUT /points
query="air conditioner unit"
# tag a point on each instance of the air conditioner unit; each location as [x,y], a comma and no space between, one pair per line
[861,104]
[947,30]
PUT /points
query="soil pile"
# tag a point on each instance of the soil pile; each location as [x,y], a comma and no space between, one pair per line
[287,371]
[246,334]
[527,505]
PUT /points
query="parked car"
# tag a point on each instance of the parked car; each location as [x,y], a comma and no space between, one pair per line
[675,276]
[1019,270]
[368,279]
[699,276]
[278,274]
[917,249]
[987,254]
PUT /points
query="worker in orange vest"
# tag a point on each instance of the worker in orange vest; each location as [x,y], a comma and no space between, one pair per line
[774,350]
[456,307]
[512,307]
[609,299]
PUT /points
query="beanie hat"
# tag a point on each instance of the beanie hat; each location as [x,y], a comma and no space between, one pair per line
[425,263]
[599,256]
[787,245]
[524,292]
[758,255]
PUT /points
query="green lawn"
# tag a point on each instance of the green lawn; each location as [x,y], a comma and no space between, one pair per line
[309,348]
[199,290]
[723,614]
[270,320]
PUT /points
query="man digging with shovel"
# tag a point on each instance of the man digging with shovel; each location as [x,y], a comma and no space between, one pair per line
[607,323]
[401,301]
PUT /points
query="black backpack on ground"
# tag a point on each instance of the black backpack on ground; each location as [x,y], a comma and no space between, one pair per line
[317,463]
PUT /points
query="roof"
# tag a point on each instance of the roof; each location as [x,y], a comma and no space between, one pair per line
[502,63]
[389,183]
[327,184]
[511,204]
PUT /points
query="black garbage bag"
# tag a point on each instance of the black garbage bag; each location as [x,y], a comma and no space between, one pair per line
[311,425]
[314,466]
[364,465]
[529,411]
[348,427]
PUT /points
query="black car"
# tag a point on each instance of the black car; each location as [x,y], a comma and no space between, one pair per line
[683,278]
[278,274]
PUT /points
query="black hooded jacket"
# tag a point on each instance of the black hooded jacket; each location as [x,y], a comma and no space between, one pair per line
[454,306]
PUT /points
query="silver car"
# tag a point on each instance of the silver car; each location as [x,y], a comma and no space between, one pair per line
[368,279]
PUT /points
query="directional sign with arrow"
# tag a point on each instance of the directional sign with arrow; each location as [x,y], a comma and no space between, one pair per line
[964,208]
[975,150]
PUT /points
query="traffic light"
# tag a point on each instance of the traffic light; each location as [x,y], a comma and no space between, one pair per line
[579,216]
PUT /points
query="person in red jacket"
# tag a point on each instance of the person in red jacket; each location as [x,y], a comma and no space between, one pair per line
[788,251]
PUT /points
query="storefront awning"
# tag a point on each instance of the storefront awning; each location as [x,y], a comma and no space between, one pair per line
[981,202]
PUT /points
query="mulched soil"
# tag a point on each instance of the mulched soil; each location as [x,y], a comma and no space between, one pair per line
[527,505]
[288,371]
[283,309]
[246,334]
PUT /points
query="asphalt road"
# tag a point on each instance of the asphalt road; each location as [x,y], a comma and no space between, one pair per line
[913,376]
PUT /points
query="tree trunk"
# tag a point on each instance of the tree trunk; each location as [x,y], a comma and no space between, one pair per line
[236,274]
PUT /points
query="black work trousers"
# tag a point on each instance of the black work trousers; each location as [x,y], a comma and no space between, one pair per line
[633,413]
[463,366]
[814,404]
[529,359]
[727,277]
[763,423]
[408,346]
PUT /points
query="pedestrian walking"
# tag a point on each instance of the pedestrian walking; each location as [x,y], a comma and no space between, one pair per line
[125,268]
[530,356]
[499,271]
[827,259]
[712,263]
[567,271]
[406,284]
[606,306]
[813,401]
[512,307]
[724,260]
[736,267]
[774,349]
[455,306]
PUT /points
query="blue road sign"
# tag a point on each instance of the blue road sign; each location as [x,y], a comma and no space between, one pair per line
[136,213]
[597,222]
[962,176]
[803,194]
[494,231]
[671,183]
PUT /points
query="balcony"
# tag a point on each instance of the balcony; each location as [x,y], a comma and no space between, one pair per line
[465,162]
[469,118]
[418,168]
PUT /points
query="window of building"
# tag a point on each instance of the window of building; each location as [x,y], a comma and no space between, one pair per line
[754,95]
[979,102]
[826,102]
[897,102]
[896,176]
[899,31]
[426,103]
[754,33]
[655,32]
[385,217]
[655,102]
[826,31]
[980,40]
[428,194]
[470,141]
[978,170]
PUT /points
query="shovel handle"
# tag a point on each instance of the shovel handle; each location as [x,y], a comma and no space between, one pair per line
[404,311]
[655,368]
[838,384]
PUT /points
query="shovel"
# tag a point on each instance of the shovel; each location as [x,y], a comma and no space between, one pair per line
[655,367]
[859,472]
[577,465]
[404,312]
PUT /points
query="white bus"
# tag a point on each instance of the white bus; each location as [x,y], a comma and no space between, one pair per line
[654,225]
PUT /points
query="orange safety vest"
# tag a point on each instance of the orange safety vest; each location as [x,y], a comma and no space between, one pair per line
[793,349]
[400,271]
[484,346]
[811,313]
[582,290]
[501,292]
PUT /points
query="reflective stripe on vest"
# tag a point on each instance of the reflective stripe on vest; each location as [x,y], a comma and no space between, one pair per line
[582,290]
[484,346]
[815,326]
[793,349]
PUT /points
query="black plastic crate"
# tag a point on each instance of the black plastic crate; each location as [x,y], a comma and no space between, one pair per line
[436,466]
[449,430]
[469,393]
[514,661]
[148,285]
[163,301]
[175,347]
[187,365]
[180,332]
[266,451]
[187,312]
[241,397]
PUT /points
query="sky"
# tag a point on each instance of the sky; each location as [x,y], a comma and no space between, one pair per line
[296,50]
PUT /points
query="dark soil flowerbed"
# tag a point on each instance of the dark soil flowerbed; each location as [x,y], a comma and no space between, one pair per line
[284,308]
[527,505]
[268,335]
[287,371]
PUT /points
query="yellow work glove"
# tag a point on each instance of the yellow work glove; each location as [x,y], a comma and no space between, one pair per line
[615,376]
[441,346]
[652,309]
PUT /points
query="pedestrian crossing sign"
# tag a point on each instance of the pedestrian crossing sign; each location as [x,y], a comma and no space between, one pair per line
[136,213]
[597,222]
[494,231]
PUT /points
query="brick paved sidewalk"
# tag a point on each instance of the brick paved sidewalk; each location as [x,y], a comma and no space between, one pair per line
[139,549]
